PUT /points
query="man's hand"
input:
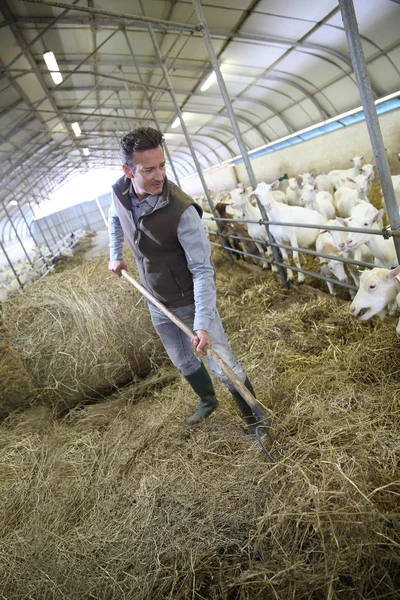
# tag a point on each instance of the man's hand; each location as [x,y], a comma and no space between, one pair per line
[117,265]
[200,340]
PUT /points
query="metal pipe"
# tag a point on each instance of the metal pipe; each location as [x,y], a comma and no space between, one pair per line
[69,73]
[234,123]
[371,117]
[101,211]
[179,114]
[11,265]
[168,25]
[128,43]
[41,34]
[16,232]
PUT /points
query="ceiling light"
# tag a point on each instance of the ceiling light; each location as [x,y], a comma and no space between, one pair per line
[50,61]
[13,203]
[175,123]
[85,151]
[76,129]
[56,77]
[208,82]
[53,67]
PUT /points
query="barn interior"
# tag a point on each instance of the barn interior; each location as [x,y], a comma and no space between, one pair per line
[107,493]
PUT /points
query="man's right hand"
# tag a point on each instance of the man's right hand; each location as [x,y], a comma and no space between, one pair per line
[117,265]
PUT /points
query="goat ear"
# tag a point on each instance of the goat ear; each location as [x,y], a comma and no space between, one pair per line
[275,184]
[323,231]
[350,179]
[252,195]
[378,215]
[394,272]
[341,221]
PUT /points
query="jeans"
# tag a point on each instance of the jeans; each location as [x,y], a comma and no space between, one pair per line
[180,349]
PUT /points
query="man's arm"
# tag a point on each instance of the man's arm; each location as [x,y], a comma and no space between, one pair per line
[116,241]
[194,241]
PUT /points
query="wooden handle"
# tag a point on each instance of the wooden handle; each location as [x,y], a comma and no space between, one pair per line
[226,369]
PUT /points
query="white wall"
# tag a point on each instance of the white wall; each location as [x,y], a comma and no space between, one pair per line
[323,153]
[222,178]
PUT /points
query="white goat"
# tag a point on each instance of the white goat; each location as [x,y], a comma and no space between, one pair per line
[307,179]
[383,250]
[297,237]
[323,183]
[322,202]
[338,176]
[368,171]
[346,199]
[293,192]
[240,201]
[378,290]
[329,266]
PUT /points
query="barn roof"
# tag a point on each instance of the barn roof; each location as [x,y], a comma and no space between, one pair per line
[286,66]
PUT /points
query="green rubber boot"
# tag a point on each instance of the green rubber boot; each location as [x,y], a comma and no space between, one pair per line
[201,383]
[249,417]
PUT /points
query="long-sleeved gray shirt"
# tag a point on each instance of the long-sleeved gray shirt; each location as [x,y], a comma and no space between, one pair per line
[193,239]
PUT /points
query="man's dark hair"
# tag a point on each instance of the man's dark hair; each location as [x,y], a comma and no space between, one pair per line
[141,138]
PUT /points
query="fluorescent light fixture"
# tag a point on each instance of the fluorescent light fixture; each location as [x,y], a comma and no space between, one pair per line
[56,77]
[85,151]
[53,67]
[50,61]
[76,129]
[13,203]
[208,82]
[176,123]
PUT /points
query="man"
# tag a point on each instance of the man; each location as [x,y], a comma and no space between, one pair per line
[163,228]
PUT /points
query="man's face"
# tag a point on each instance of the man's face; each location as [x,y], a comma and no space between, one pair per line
[149,172]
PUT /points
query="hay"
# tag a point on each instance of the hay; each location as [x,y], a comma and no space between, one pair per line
[81,333]
[138,505]
[16,386]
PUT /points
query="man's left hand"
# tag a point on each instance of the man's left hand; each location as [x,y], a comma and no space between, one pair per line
[200,340]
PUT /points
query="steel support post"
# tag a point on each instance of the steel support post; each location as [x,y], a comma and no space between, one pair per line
[16,234]
[10,263]
[103,216]
[84,216]
[371,117]
[235,126]
[27,224]
[45,221]
[150,105]
[55,225]
[183,125]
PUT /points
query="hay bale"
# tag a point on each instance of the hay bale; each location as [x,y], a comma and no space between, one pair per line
[16,386]
[81,333]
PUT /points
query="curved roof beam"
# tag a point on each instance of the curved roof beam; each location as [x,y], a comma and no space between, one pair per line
[220,114]
[201,143]
[228,131]
[317,90]
[287,44]
[201,156]
[259,102]
[212,137]
[366,39]
[183,165]
[317,105]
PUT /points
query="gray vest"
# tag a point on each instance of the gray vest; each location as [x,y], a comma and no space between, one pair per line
[160,258]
